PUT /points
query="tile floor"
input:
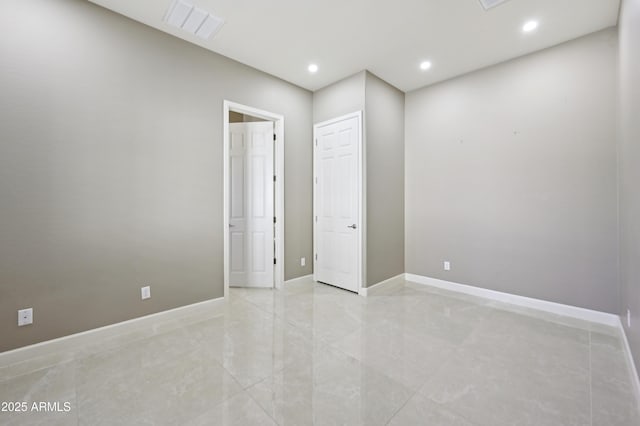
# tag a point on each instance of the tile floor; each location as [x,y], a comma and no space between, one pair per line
[314,354]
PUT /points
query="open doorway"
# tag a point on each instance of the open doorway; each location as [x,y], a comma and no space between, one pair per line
[253,197]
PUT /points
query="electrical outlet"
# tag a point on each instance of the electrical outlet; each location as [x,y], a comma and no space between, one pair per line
[303,261]
[145,292]
[628,318]
[447,265]
[25,317]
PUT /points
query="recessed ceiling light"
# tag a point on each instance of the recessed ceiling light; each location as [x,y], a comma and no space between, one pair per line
[313,68]
[425,65]
[530,26]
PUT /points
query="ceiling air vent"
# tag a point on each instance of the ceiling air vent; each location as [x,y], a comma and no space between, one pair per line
[194,20]
[490,4]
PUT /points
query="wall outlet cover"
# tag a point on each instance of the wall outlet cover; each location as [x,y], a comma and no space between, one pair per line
[145,292]
[628,318]
[25,317]
[447,265]
[303,261]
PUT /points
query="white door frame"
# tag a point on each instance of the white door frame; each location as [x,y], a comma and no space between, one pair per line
[361,235]
[278,124]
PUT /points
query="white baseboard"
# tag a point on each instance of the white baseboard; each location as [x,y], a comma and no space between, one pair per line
[635,380]
[77,341]
[299,279]
[527,302]
[367,291]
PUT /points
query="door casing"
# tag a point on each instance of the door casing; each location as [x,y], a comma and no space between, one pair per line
[278,124]
[361,234]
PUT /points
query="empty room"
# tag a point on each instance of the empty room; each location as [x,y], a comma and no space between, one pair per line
[284,212]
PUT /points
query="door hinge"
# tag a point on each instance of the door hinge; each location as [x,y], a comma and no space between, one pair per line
[316,256]
[274,136]
[274,260]
[274,178]
[316,142]
[274,219]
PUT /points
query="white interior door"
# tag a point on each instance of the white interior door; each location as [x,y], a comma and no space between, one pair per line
[337,194]
[251,212]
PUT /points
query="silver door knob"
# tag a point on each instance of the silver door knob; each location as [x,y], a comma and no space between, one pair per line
[352,226]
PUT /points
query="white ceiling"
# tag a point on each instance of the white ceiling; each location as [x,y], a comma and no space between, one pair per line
[388,38]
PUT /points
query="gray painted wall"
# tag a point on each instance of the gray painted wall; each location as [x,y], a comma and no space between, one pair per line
[384,111]
[111,167]
[629,28]
[340,98]
[511,176]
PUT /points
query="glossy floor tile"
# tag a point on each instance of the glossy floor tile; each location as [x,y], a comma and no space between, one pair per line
[315,354]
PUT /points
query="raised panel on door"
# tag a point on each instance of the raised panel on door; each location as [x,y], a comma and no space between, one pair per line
[258,264]
[236,241]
